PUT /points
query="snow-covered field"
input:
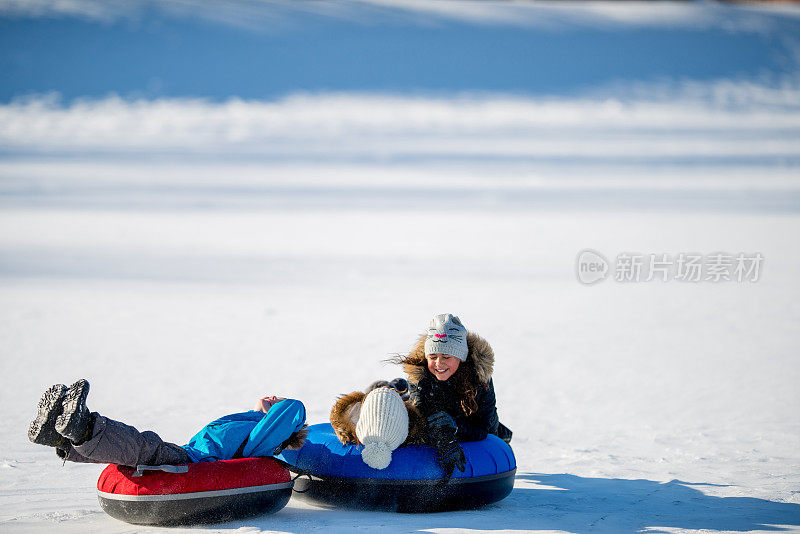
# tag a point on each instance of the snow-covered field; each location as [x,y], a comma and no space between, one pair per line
[189,255]
[660,405]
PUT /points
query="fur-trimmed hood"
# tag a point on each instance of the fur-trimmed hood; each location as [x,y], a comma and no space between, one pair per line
[297,439]
[480,357]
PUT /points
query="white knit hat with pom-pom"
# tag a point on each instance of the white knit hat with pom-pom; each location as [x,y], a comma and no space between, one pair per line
[382,426]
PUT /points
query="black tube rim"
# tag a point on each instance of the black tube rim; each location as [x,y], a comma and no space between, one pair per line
[411,482]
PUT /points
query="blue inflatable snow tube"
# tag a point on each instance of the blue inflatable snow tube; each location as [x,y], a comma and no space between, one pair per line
[411,483]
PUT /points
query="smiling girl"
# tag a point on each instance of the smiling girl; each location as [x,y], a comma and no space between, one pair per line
[450,382]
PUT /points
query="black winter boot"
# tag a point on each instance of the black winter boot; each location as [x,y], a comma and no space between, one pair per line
[74,421]
[401,385]
[504,433]
[42,429]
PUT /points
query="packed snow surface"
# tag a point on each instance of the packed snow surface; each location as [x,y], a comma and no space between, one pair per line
[650,405]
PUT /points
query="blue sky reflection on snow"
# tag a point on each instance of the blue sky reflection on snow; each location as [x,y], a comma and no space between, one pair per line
[566,99]
[268,50]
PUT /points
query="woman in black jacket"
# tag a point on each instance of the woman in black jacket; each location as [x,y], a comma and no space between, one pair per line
[450,382]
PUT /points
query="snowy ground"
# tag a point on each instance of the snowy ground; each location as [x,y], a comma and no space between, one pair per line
[662,405]
[189,255]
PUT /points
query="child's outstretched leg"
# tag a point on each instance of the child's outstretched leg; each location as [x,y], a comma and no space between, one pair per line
[114,442]
[65,422]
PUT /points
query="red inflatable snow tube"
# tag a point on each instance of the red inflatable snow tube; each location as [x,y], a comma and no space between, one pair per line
[206,492]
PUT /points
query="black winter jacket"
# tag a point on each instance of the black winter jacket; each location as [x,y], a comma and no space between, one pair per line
[431,395]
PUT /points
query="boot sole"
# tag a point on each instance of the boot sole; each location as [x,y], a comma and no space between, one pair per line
[42,429]
[68,423]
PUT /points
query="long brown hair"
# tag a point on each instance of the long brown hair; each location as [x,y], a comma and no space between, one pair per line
[465,379]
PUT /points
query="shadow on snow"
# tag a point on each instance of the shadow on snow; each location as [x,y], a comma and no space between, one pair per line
[568,503]
[581,504]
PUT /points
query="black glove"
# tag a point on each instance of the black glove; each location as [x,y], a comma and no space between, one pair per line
[442,436]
